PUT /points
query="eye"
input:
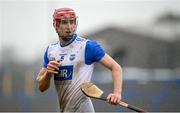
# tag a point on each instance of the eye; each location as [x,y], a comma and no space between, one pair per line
[72,21]
[64,21]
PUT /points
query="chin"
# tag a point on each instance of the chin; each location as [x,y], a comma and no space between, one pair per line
[67,38]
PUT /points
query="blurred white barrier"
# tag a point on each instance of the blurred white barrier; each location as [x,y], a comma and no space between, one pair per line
[138,74]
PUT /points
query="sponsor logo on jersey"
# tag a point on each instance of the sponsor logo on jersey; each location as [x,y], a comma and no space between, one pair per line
[52,58]
[72,57]
[65,73]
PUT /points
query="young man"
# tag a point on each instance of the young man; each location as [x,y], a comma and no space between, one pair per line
[70,61]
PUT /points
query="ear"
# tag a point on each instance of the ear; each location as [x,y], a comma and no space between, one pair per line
[76,20]
[54,23]
[76,24]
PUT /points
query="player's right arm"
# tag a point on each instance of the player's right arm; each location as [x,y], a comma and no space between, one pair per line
[45,75]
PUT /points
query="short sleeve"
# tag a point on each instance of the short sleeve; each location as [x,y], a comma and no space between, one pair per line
[46,60]
[93,52]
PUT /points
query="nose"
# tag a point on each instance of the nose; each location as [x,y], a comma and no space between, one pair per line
[68,25]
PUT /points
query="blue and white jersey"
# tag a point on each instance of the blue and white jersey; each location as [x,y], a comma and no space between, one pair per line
[77,62]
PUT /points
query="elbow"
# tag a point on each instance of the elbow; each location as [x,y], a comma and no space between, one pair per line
[117,67]
[120,68]
[42,81]
[42,88]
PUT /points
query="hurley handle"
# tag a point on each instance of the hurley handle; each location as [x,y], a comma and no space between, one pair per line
[131,107]
[123,104]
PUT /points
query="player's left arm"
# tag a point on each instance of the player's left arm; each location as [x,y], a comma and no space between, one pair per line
[116,69]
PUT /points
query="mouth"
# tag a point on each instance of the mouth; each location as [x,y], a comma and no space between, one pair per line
[68,32]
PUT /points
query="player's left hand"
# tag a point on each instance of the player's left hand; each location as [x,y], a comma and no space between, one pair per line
[114,98]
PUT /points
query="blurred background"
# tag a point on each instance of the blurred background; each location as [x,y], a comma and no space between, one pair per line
[141,35]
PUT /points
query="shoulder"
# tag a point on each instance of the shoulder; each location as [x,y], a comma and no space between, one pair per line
[92,43]
[88,42]
[93,52]
[53,44]
[81,39]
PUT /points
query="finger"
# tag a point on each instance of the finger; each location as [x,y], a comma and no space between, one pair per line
[54,72]
[118,100]
[109,97]
[112,99]
[115,100]
[50,68]
[57,63]
[53,66]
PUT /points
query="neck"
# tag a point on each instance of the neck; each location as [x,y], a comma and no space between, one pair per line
[65,41]
[62,41]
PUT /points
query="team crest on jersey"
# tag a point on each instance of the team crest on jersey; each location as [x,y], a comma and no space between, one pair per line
[72,57]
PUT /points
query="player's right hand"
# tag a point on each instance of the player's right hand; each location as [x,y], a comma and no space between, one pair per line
[53,67]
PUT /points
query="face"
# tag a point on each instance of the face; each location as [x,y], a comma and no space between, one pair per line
[66,28]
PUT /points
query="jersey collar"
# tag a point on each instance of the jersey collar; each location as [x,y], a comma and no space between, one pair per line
[73,38]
